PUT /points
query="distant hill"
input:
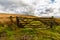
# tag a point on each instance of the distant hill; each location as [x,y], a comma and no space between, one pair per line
[14,15]
[4,17]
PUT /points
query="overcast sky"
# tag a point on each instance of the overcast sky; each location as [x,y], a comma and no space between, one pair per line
[38,7]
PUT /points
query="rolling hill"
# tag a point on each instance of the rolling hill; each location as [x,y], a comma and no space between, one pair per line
[11,32]
[5,17]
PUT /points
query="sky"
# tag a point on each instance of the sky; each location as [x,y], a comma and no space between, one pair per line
[38,8]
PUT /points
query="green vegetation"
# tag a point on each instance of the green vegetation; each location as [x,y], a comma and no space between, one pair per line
[33,30]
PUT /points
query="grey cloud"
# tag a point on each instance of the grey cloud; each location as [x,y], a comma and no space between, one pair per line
[10,5]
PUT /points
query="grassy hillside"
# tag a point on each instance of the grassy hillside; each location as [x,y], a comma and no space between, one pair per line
[34,29]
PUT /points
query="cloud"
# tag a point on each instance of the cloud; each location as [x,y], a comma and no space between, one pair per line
[34,7]
[42,5]
[14,6]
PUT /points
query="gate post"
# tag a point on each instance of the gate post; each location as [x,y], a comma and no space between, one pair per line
[51,23]
[19,24]
[17,21]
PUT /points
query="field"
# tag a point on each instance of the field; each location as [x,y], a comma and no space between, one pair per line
[23,27]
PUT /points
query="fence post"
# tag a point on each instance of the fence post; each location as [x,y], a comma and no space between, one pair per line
[19,24]
[11,18]
[51,23]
